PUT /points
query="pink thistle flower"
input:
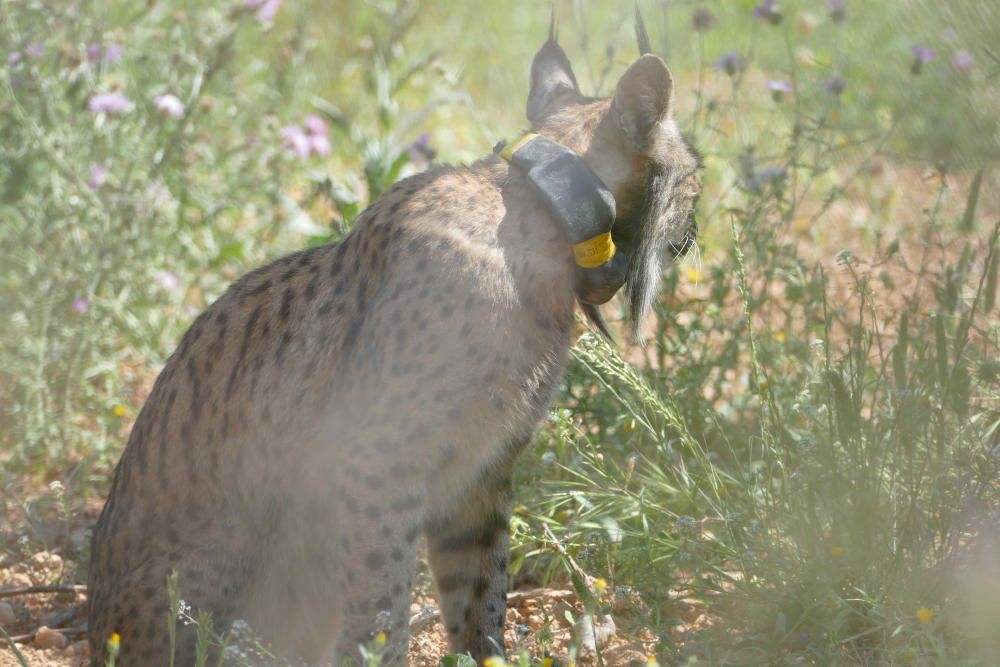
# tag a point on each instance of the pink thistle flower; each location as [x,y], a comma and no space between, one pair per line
[315,124]
[963,60]
[109,103]
[168,280]
[319,144]
[266,9]
[98,176]
[296,140]
[81,305]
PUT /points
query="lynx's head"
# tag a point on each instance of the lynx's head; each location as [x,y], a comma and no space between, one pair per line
[632,143]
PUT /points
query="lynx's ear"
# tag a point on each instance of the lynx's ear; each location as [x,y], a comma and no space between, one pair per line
[642,98]
[551,77]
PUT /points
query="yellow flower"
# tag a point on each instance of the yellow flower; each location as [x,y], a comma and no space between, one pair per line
[118,411]
[494,661]
[600,585]
[837,552]
[114,644]
[780,336]
[651,661]
[380,640]
[925,615]
[693,274]
[546,662]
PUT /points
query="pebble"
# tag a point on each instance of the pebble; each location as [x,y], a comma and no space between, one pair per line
[7,616]
[46,637]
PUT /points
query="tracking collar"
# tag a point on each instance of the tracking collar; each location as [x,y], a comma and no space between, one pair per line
[574,195]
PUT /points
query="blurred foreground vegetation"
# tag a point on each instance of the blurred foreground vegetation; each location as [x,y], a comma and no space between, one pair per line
[808,446]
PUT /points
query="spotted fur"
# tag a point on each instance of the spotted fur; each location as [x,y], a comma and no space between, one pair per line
[333,406]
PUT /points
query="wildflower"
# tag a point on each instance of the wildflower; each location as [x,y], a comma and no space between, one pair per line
[319,144]
[81,305]
[169,104]
[118,410]
[109,103]
[693,274]
[266,9]
[168,280]
[963,60]
[98,176]
[113,53]
[768,11]
[651,661]
[494,661]
[925,615]
[315,124]
[600,585]
[109,54]
[731,63]
[835,84]
[380,640]
[779,88]
[837,552]
[546,662]
[56,487]
[114,644]
[780,336]
[921,56]
[420,149]
[14,58]
[35,50]
[702,19]
[837,10]
[296,140]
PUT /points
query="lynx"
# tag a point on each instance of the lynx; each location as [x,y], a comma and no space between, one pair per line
[332,407]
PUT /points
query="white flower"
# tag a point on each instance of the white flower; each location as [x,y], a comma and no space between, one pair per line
[169,104]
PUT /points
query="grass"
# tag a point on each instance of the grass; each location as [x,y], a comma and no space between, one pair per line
[806,449]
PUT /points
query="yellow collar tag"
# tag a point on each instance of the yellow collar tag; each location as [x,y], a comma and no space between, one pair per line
[508,151]
[594,252]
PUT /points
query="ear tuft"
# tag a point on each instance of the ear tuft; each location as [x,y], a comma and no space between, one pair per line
[642,98]
[551,76]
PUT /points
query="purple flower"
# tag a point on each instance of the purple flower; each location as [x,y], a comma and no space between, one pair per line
[168,280]
[113,53]
[779,88]
[14,58]
[98,175]
[169,104]
[420,149]
[315,124]
[702,19]
[837,10]
[835,84]
[34,50]
[266,9]
[963,60]
[81,305]
[319,144]
[109,103]
[921,56]
[731,63]
[109,54]
[771,174]
[768,11]
[922,53]
[296,141]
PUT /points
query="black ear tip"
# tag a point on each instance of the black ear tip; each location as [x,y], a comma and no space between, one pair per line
[553,26]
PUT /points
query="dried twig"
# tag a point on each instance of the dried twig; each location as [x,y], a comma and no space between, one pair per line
[31,590]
